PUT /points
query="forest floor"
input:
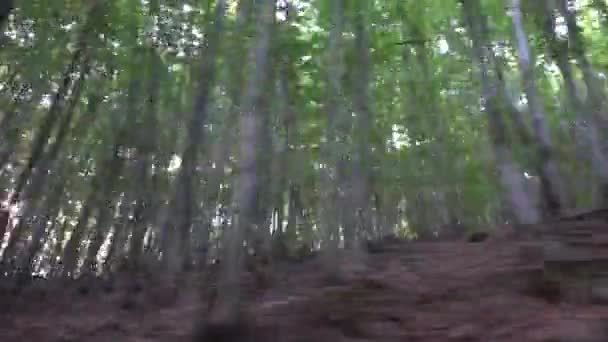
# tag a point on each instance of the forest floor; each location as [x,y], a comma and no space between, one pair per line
[403,291]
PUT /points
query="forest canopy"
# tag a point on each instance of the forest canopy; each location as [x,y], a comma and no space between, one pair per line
[171,129]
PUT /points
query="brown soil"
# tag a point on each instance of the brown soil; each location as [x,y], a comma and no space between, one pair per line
[432,291]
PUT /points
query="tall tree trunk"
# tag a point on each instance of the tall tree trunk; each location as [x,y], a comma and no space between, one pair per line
[35,189]
[52,206]
[595,90]
[423,98]
[102,228]
[184,200]
[48,161]
[221,152]
[58,247]
[596,103]
[120,234]
[55,111]
[293,210]
[146,145]
[331,149]
[8,126]
[260,237]
[285,151]
[228,307]
[287,160]
[101,192]
[510,176]
[517,116]
[553,187]
[364,124]
[585,112]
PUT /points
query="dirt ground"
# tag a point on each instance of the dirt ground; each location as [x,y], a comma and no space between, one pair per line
[432,291]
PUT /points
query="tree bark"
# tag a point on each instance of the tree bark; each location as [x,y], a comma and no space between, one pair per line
[101,192]
[49,212]
[364,125]
[178,250]
[510,176]
[44,131]
[553,187]
[589,135]
[228,307]
[331,150]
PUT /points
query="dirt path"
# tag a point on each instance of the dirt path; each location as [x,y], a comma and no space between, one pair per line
[410,292]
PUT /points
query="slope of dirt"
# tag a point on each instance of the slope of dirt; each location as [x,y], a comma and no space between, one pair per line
[435,291]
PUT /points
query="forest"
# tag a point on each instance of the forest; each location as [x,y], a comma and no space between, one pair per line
[304,170]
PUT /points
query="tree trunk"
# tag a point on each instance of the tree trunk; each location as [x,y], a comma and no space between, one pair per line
[266,158]
[120,234]
[228,307]
[510,176]
[99,235]
[44,131]
[593,110]
[58,248]
[364,125]
[50,210]
[591,144]
[331,150]
[146,146]
[100,193]
[554,191]
[178,251]
[35,189]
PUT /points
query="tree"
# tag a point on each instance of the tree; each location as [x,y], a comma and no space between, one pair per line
[227,309]
[169,134]
[510,175]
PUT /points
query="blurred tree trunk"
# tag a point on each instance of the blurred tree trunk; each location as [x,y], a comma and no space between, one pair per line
[120,234]
[291,160]
[280,166]
[364,124]
[78,64]
[57,247]
[145,148]
[39,225]
[220,152]
[34,190]
[592,110]
[101,196]
[183,204]
[422,92]
[553,187]
[588,134]
[14,116]
[227,308]
[103,223]
[332,151]
[260,237]
[510,175]
[596,97]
